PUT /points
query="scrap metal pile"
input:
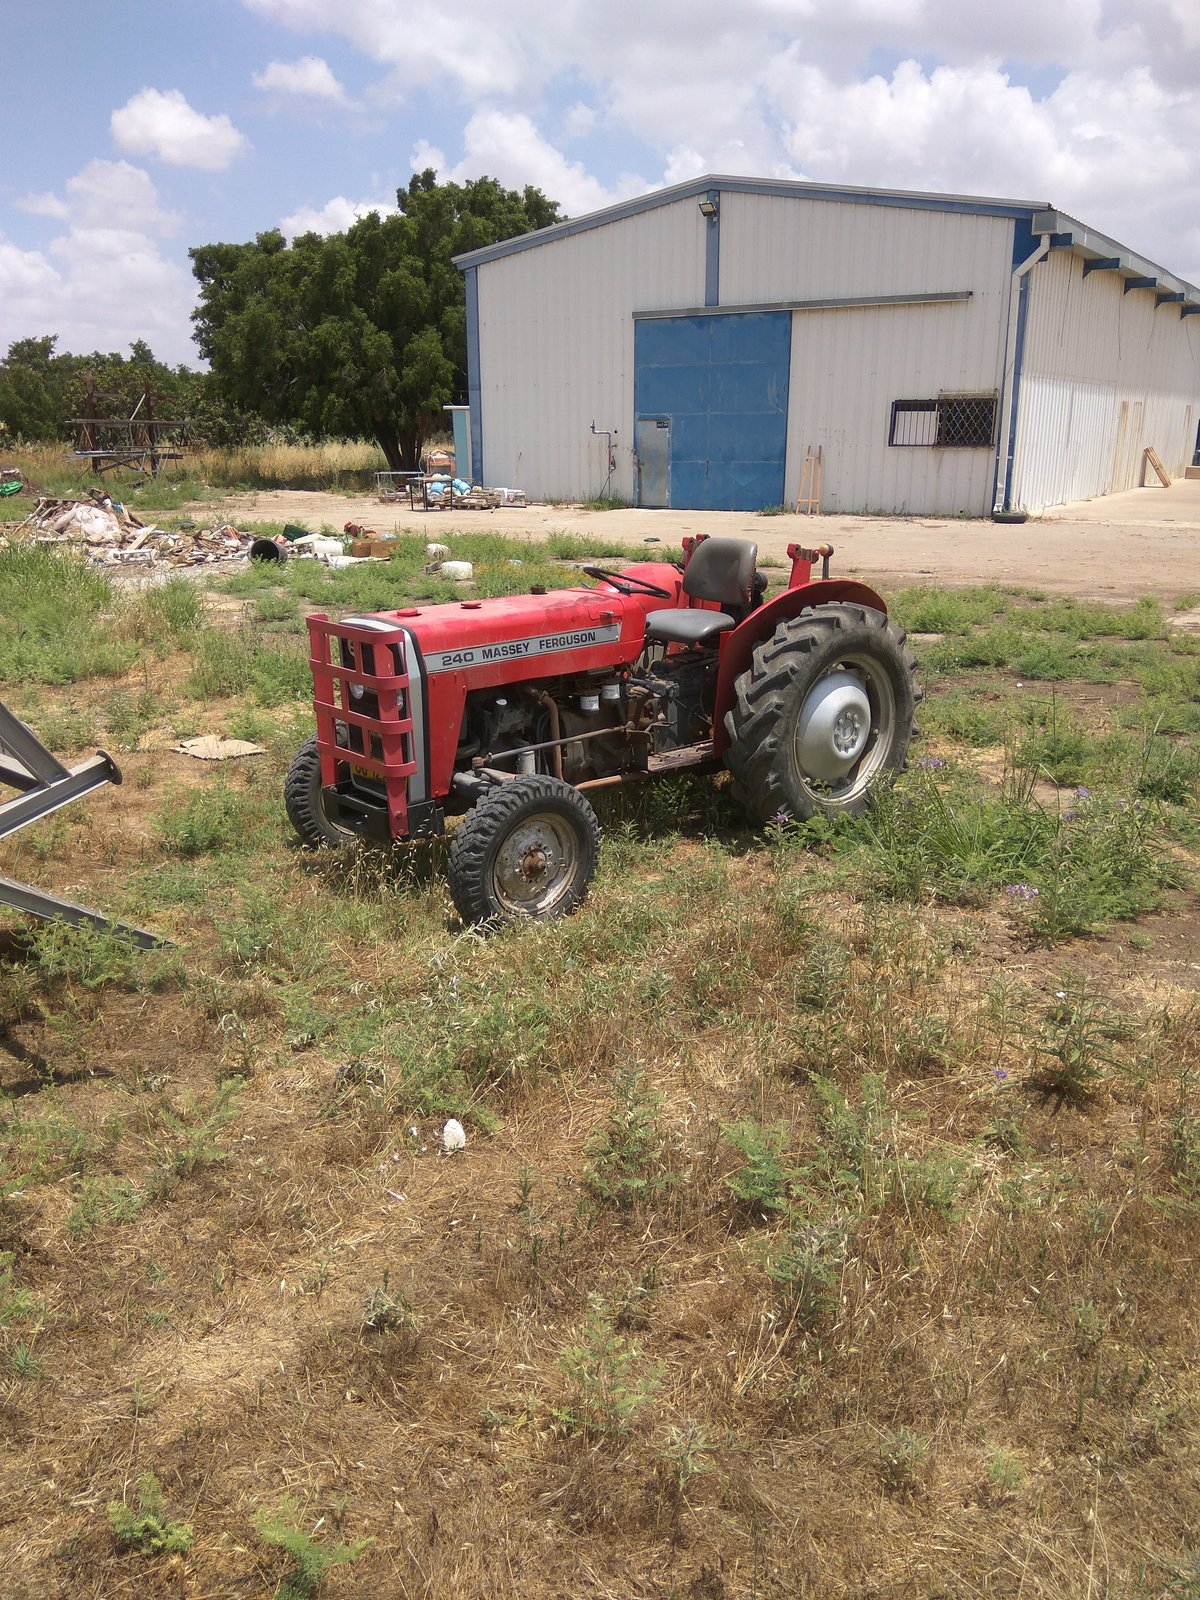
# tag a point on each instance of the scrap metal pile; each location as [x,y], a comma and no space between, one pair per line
[109,534]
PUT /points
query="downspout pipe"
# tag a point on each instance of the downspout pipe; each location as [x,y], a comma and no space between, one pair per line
[1018,314]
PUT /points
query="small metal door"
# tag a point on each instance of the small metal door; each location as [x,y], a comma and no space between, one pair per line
[652,441]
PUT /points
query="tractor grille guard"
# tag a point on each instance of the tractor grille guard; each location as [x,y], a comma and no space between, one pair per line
[362,697]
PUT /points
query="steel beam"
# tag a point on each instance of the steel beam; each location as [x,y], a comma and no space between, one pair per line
[52,907]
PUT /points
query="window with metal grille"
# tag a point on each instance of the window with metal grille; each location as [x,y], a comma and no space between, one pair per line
[951,422]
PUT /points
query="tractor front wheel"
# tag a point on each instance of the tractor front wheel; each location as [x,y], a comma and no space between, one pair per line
[528,848]
[824,713]
[302,801]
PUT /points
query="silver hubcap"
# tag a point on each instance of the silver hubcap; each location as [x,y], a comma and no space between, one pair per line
[536,864]
[843,732]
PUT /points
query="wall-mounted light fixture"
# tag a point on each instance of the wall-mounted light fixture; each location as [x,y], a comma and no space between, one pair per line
[708,209]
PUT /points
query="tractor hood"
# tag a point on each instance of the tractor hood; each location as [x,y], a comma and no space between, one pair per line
[500,641]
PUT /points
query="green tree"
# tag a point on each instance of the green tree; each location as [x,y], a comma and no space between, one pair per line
[33,389]
[360,334]
[41,390]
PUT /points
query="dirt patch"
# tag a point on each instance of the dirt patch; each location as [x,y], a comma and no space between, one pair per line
[1114,549]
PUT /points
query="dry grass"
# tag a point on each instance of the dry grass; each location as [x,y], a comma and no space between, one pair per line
[350,465]
[339,464]
[960,1358]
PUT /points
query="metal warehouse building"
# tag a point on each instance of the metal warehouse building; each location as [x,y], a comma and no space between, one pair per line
[947,355]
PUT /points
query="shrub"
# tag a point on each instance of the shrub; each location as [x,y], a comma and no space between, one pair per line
[147,1530]
[626,1165]
[1079,1028]
[607,1389]
[762,1182]
[311,1559]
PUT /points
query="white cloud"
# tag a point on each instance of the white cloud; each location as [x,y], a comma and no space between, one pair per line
[158,122]
[104,281]
[335,216]
[1086,147]
[42,205]
[117,194]
[1076,102]
[310,77]
[579,120]
[426,155]
[506,145]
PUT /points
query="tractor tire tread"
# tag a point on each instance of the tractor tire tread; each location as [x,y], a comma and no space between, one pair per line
[302,801]
[756,722]
[467,864]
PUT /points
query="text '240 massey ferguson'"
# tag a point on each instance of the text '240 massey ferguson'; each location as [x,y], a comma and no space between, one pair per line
[506,712]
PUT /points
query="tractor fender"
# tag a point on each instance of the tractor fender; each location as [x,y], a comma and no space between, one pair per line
[738,644]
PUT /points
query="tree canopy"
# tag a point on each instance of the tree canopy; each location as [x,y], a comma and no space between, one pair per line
[40,390]
[358,334]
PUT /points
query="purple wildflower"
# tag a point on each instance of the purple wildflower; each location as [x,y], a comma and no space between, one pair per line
[999,1073]
[1083,793]
[1021,891]
[931,763]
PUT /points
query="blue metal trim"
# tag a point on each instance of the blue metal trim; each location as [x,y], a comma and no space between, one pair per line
[1025,241]
[1139,283]
[698,187]
[1189,311]
[712,252]
[1018,354]
[474,378]
[1105,264]
[1061,241]
[849,302]
[1167,299]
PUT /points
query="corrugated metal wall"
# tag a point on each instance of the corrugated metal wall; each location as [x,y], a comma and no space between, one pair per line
[556,346]
[1104,374]
[849,365]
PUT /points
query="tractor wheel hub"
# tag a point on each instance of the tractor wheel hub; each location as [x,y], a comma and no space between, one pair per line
[834,727]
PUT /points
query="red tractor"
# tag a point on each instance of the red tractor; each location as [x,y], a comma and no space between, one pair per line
[506,713]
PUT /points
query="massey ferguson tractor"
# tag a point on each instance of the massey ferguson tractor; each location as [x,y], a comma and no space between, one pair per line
[505,714]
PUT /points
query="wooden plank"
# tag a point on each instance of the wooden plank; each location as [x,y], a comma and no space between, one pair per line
[1151,455]
[808,501]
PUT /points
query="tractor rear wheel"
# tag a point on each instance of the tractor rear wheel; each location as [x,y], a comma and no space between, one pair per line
[528,848]
[823,714]
[302,801]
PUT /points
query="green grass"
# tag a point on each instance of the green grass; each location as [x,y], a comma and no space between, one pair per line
[761,1144]
[57,620]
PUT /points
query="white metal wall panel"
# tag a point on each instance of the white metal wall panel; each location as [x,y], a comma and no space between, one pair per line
[849,365]
[1104,374]
[780,248]
[556,346]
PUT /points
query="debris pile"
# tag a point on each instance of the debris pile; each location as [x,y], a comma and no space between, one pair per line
[110,534]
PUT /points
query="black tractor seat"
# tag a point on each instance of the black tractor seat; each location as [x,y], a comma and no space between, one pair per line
[686,626]
[720,570]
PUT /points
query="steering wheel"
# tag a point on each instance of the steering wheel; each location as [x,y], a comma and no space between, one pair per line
[626,583]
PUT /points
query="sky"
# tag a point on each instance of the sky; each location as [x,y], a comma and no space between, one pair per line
[130,131]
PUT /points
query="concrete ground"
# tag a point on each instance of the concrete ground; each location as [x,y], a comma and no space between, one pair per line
[1143,541]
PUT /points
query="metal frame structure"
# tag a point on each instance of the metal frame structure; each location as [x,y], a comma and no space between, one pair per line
[140,440]
[44,786]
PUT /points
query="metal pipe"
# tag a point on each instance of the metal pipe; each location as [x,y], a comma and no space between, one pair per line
[615,778]
[1010,387]
[555,724]
[550,744]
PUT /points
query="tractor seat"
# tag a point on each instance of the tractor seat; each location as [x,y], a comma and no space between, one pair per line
[720,570]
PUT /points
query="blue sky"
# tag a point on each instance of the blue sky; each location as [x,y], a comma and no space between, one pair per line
[173,124]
